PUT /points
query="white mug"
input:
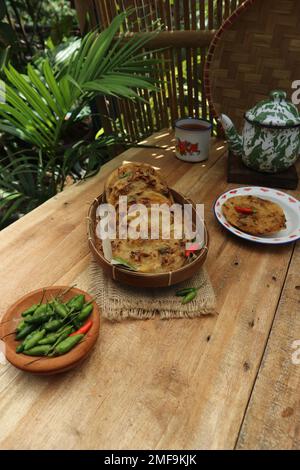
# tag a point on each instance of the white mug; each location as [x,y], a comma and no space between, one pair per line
[192,139]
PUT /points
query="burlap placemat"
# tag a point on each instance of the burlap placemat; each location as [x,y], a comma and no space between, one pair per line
[118,301]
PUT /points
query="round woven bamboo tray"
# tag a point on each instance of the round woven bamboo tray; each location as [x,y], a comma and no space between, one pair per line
[256,50]
[145,279]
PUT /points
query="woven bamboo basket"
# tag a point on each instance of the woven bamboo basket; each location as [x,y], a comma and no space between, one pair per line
[145,279]
[255,51]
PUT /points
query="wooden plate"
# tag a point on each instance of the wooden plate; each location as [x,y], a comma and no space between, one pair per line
[53,365]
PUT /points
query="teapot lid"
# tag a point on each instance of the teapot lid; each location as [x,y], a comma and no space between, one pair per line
[275,112]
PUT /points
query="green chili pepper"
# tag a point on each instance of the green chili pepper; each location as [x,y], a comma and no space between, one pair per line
[41,309]
[55,338]
[68,344]
[53,325]
[60,309]
[63,334]
[30,310]
[34,339]
[189,297]
[25,332]
[20,348]
[49,339]
[77,302]
[21,325]
[184,292]
[85,312]
[41,350]
[39,318]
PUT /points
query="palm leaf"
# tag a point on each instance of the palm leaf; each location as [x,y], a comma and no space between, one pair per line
[106,87]
[13,208]
[39,102]
[53,85]
[27,126]
[98,49]
[30,94]
[128,51]
[12,130]
[44,92]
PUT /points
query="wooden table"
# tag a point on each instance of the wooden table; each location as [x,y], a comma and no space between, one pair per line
[221,382]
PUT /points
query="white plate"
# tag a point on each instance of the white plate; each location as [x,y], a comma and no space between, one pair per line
[289,204]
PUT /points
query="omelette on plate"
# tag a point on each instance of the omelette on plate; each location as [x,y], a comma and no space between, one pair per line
[254,215]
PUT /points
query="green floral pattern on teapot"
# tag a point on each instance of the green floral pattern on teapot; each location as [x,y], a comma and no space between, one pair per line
[271,135]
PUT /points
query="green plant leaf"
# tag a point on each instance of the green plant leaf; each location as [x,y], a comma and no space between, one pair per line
[15,131]
[54,86]
[34,77]
[107,87]
[13,209]
[42,106]
[122,262]
[3,57]
[32,96]
[98,49]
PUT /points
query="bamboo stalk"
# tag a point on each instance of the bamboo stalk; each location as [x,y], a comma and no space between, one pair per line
[210,14]
[226,8]
[175,38]
[195,61]
[101,13]
[163,73]
[233,6]
[102,108]
[189,72]
[82,9]
[173,102]
[93,15]
[179,59]
[157,96]
[202,14]
[219,12]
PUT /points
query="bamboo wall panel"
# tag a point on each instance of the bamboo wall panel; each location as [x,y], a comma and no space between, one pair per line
[188,27]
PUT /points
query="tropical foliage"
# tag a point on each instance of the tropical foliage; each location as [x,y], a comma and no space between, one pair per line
[27,27]
[44,105]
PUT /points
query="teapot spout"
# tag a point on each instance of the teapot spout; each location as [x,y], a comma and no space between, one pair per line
[235,141]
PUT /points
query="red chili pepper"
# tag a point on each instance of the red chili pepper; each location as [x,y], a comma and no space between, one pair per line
[192,249]
[244,210]
[84,329]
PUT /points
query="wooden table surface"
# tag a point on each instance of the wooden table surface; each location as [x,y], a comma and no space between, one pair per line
[219,382]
